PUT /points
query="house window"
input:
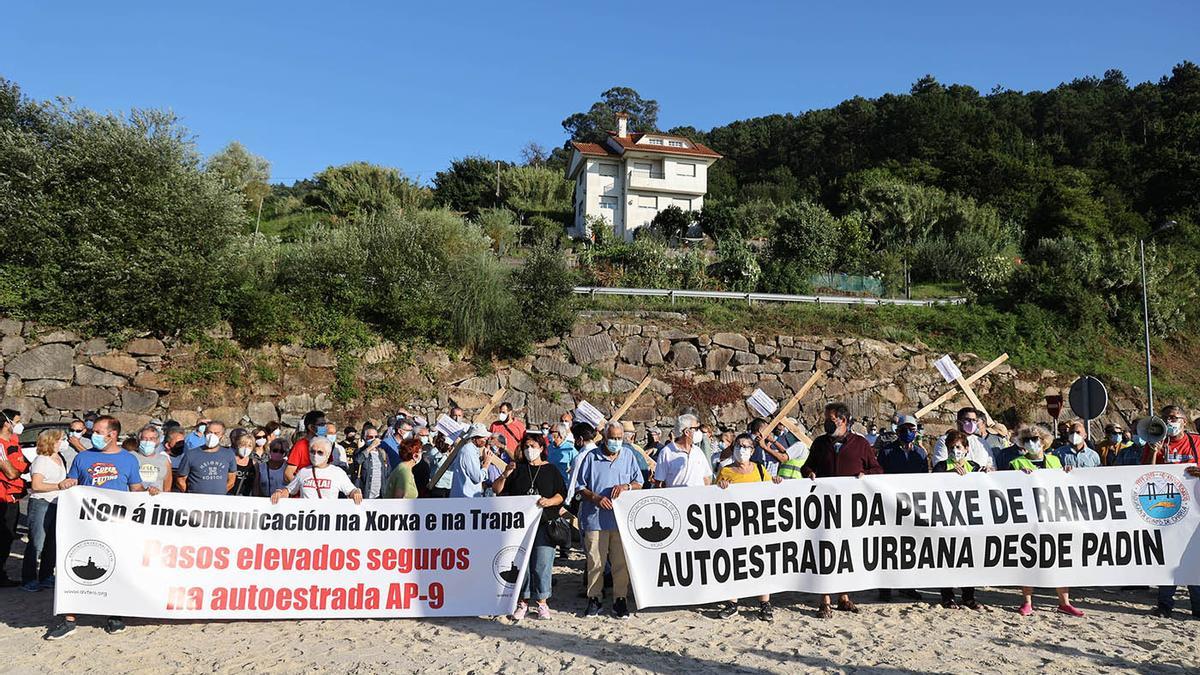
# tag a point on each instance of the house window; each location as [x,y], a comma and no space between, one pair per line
[648,203]
[608,169]
[609,202]
[677,144]
[685,204]
[685,169]
[651,169]
[654,141]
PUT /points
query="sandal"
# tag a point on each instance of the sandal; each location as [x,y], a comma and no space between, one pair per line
[847,605]
[950,604]
[824,611]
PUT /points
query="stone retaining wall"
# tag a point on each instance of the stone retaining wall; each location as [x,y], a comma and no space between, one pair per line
[52,375]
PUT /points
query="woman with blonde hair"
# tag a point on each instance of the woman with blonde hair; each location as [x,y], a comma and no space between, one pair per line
[48,475]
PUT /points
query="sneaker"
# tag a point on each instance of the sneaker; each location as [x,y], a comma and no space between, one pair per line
[31,586]
[543,611]
[519,612]
[1026,609]
[1070,610]
[593,608]
[114,625]
[60,630]
[766,612]
[620,609]
[48,583]
[728,611]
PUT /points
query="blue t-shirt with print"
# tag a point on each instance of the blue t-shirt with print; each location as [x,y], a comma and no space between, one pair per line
[207,473]
[111,471]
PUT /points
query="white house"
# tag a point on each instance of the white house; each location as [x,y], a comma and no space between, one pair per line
[630,177]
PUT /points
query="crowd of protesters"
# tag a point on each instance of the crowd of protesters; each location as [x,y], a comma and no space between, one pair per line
[576,469]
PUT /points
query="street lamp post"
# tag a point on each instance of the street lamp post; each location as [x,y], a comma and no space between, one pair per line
[1146,313]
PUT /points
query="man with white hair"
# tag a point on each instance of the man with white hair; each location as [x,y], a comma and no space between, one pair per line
[470,464]
[604,474]
[681,463]
[320,479]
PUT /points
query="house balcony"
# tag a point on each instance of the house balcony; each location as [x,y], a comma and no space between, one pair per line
[657,182]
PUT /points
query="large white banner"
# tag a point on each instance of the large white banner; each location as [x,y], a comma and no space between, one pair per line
[195,556]
[1088,527]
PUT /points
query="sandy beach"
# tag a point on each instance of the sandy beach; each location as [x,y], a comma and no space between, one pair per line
[901,636]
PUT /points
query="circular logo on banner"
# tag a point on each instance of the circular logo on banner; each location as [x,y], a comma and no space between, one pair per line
[90,562]
[656,522]
[504,565]
[1161,498]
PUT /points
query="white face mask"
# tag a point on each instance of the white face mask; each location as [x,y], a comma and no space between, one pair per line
[1174,428]
[243,452]
[959,454]
[1032,446]
[317,460]
[1076,439]
[212,440]
[533,454]
[63,445]
[260,442]
[697,437]
[743,453]
[503,417]
[18,428]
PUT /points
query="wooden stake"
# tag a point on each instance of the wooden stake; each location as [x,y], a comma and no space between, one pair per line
[792,403]
[973,398]
[631,399]
[955,391]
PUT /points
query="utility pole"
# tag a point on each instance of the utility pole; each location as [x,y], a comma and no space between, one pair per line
[497,182]
[258,219]
[1146,314]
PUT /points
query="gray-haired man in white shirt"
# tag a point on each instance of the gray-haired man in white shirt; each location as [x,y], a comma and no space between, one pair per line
[682,462]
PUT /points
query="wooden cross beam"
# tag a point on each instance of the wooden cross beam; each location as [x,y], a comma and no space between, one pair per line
[964,386]
[624,408]
[792,402]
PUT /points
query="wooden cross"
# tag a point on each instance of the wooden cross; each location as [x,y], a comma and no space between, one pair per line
[964,386]
[624,408]
[480,418]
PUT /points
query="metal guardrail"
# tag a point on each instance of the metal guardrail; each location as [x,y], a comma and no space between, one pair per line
[751,298]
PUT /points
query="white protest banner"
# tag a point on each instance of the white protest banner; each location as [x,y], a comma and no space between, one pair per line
[179,556]
[762,404]
[948,368]
[586,412]
[1089,527]
[451,428]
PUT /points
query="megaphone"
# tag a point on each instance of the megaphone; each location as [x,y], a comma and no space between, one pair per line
[1151,430]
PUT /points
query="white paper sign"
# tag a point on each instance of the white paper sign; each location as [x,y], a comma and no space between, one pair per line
[451,428]
[761,404]
[1109,526]
[183,556]
[586,412]
[947,368]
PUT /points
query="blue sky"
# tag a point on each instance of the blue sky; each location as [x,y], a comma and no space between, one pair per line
[414,85]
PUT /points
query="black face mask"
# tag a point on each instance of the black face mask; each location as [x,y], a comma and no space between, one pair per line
[830,427]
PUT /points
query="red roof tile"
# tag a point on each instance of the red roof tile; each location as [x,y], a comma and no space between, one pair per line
[631,143]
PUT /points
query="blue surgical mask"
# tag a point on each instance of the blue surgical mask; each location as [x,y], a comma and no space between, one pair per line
[320,429]
[907,435]
[147,448]
[614,446]
[98,441]
[201,429]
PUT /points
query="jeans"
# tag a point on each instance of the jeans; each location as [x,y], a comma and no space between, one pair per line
[541,567]
[41,541]
[1166,598]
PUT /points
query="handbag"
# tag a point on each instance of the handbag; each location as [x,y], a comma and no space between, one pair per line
[559,531]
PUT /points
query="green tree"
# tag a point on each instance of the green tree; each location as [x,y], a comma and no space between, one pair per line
[469,185]
[362,189]
[109,221]
[544,287]
[532,189]
[242,171]
[672,222]
[593,126]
